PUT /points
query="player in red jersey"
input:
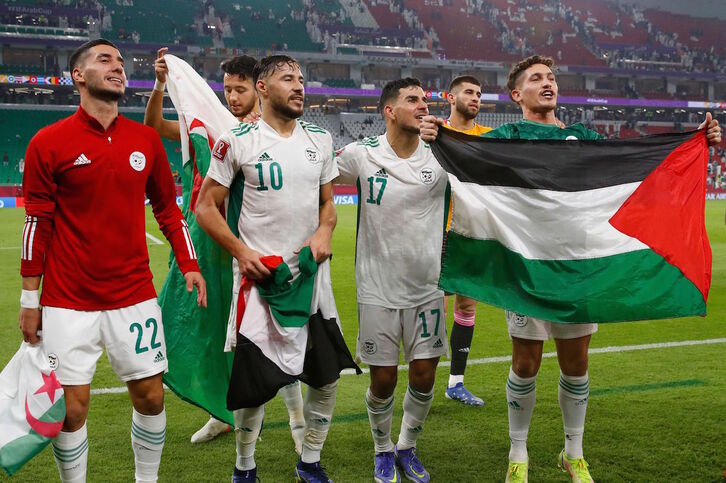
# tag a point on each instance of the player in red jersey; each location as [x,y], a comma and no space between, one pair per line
[85,184]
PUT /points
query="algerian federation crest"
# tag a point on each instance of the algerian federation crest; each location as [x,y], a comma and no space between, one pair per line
[427,176]
[312,155]
[137,160]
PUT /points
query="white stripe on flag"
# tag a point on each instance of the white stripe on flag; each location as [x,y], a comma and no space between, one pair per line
[543,224]
[188,239]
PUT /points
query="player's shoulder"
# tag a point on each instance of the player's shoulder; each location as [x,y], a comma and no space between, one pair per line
[312,128]
[369,142]
[58,129]
[583,132]
[138,128]
[243,129]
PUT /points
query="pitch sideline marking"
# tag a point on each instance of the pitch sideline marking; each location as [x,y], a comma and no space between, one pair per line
[493,360]
[153,239]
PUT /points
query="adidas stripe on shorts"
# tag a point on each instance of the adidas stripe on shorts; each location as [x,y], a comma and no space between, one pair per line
[133,337]
[381,331]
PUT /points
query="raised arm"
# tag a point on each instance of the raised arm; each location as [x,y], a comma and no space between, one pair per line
[153,115]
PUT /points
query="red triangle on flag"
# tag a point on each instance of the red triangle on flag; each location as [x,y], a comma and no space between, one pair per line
[667,212]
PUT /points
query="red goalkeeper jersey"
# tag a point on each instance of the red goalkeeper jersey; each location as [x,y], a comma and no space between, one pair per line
[85,229]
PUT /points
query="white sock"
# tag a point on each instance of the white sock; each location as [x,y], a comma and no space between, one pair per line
[455,379]
[318,410]
[380,415]
[416,407]
[148,434]
[573,394]
[292,395]
[247,426]
[521,398]
[70,450]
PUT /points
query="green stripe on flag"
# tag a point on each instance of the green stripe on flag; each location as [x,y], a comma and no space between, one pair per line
[17,452]
[638,285]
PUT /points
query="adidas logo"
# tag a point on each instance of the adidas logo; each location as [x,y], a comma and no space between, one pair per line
[514,405]
[381,173]
[378,432]
[322,421]
[438,344]
[159,357]
[81,160]
[417,429]
[264,157]
[464,349]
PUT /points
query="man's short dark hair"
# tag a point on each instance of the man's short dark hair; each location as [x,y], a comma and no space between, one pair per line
[266,66]
[393,88]
[80,53]
[523,65]
[241,65]
[457,81]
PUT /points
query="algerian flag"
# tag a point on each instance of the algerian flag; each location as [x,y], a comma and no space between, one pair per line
[199,369]
[286,330]
[32,407]
[578,231]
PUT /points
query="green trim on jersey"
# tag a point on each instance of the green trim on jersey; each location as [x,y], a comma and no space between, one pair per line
[371,142]
[310,127]
[244,128]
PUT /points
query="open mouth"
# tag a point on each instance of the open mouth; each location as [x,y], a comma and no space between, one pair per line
[297,99]
[419,117]
[116,80]
[548,94]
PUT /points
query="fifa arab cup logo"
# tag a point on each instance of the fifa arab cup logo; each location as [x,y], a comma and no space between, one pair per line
[137,160]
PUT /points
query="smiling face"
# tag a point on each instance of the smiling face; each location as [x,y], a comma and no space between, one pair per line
[101,73]
[466,99]
[408,108]
[536,90]
[283,90]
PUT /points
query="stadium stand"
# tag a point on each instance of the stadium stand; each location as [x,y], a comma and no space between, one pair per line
[18,126]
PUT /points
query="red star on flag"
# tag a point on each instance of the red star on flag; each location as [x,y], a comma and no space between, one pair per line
[50,386]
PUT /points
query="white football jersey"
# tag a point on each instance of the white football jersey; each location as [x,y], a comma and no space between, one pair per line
[402,207]
[281,183]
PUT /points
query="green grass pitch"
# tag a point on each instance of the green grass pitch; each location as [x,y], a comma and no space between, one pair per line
[657,414]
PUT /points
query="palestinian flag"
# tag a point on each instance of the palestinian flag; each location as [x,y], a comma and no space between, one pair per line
[32,407]
[199,369]
[287,330]
[578,231]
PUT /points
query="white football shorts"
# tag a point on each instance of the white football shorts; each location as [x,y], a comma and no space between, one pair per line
[133,337]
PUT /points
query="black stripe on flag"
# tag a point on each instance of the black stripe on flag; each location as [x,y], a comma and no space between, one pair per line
[256,379]
[555,165]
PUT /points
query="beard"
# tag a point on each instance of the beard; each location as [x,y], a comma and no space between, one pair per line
[104,94]
[463,109]
[284,109]
[411,129]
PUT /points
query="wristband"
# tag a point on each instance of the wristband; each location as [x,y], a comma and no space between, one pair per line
[29,299]
[159,86]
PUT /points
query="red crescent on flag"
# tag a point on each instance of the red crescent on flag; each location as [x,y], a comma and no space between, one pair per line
[49,430]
